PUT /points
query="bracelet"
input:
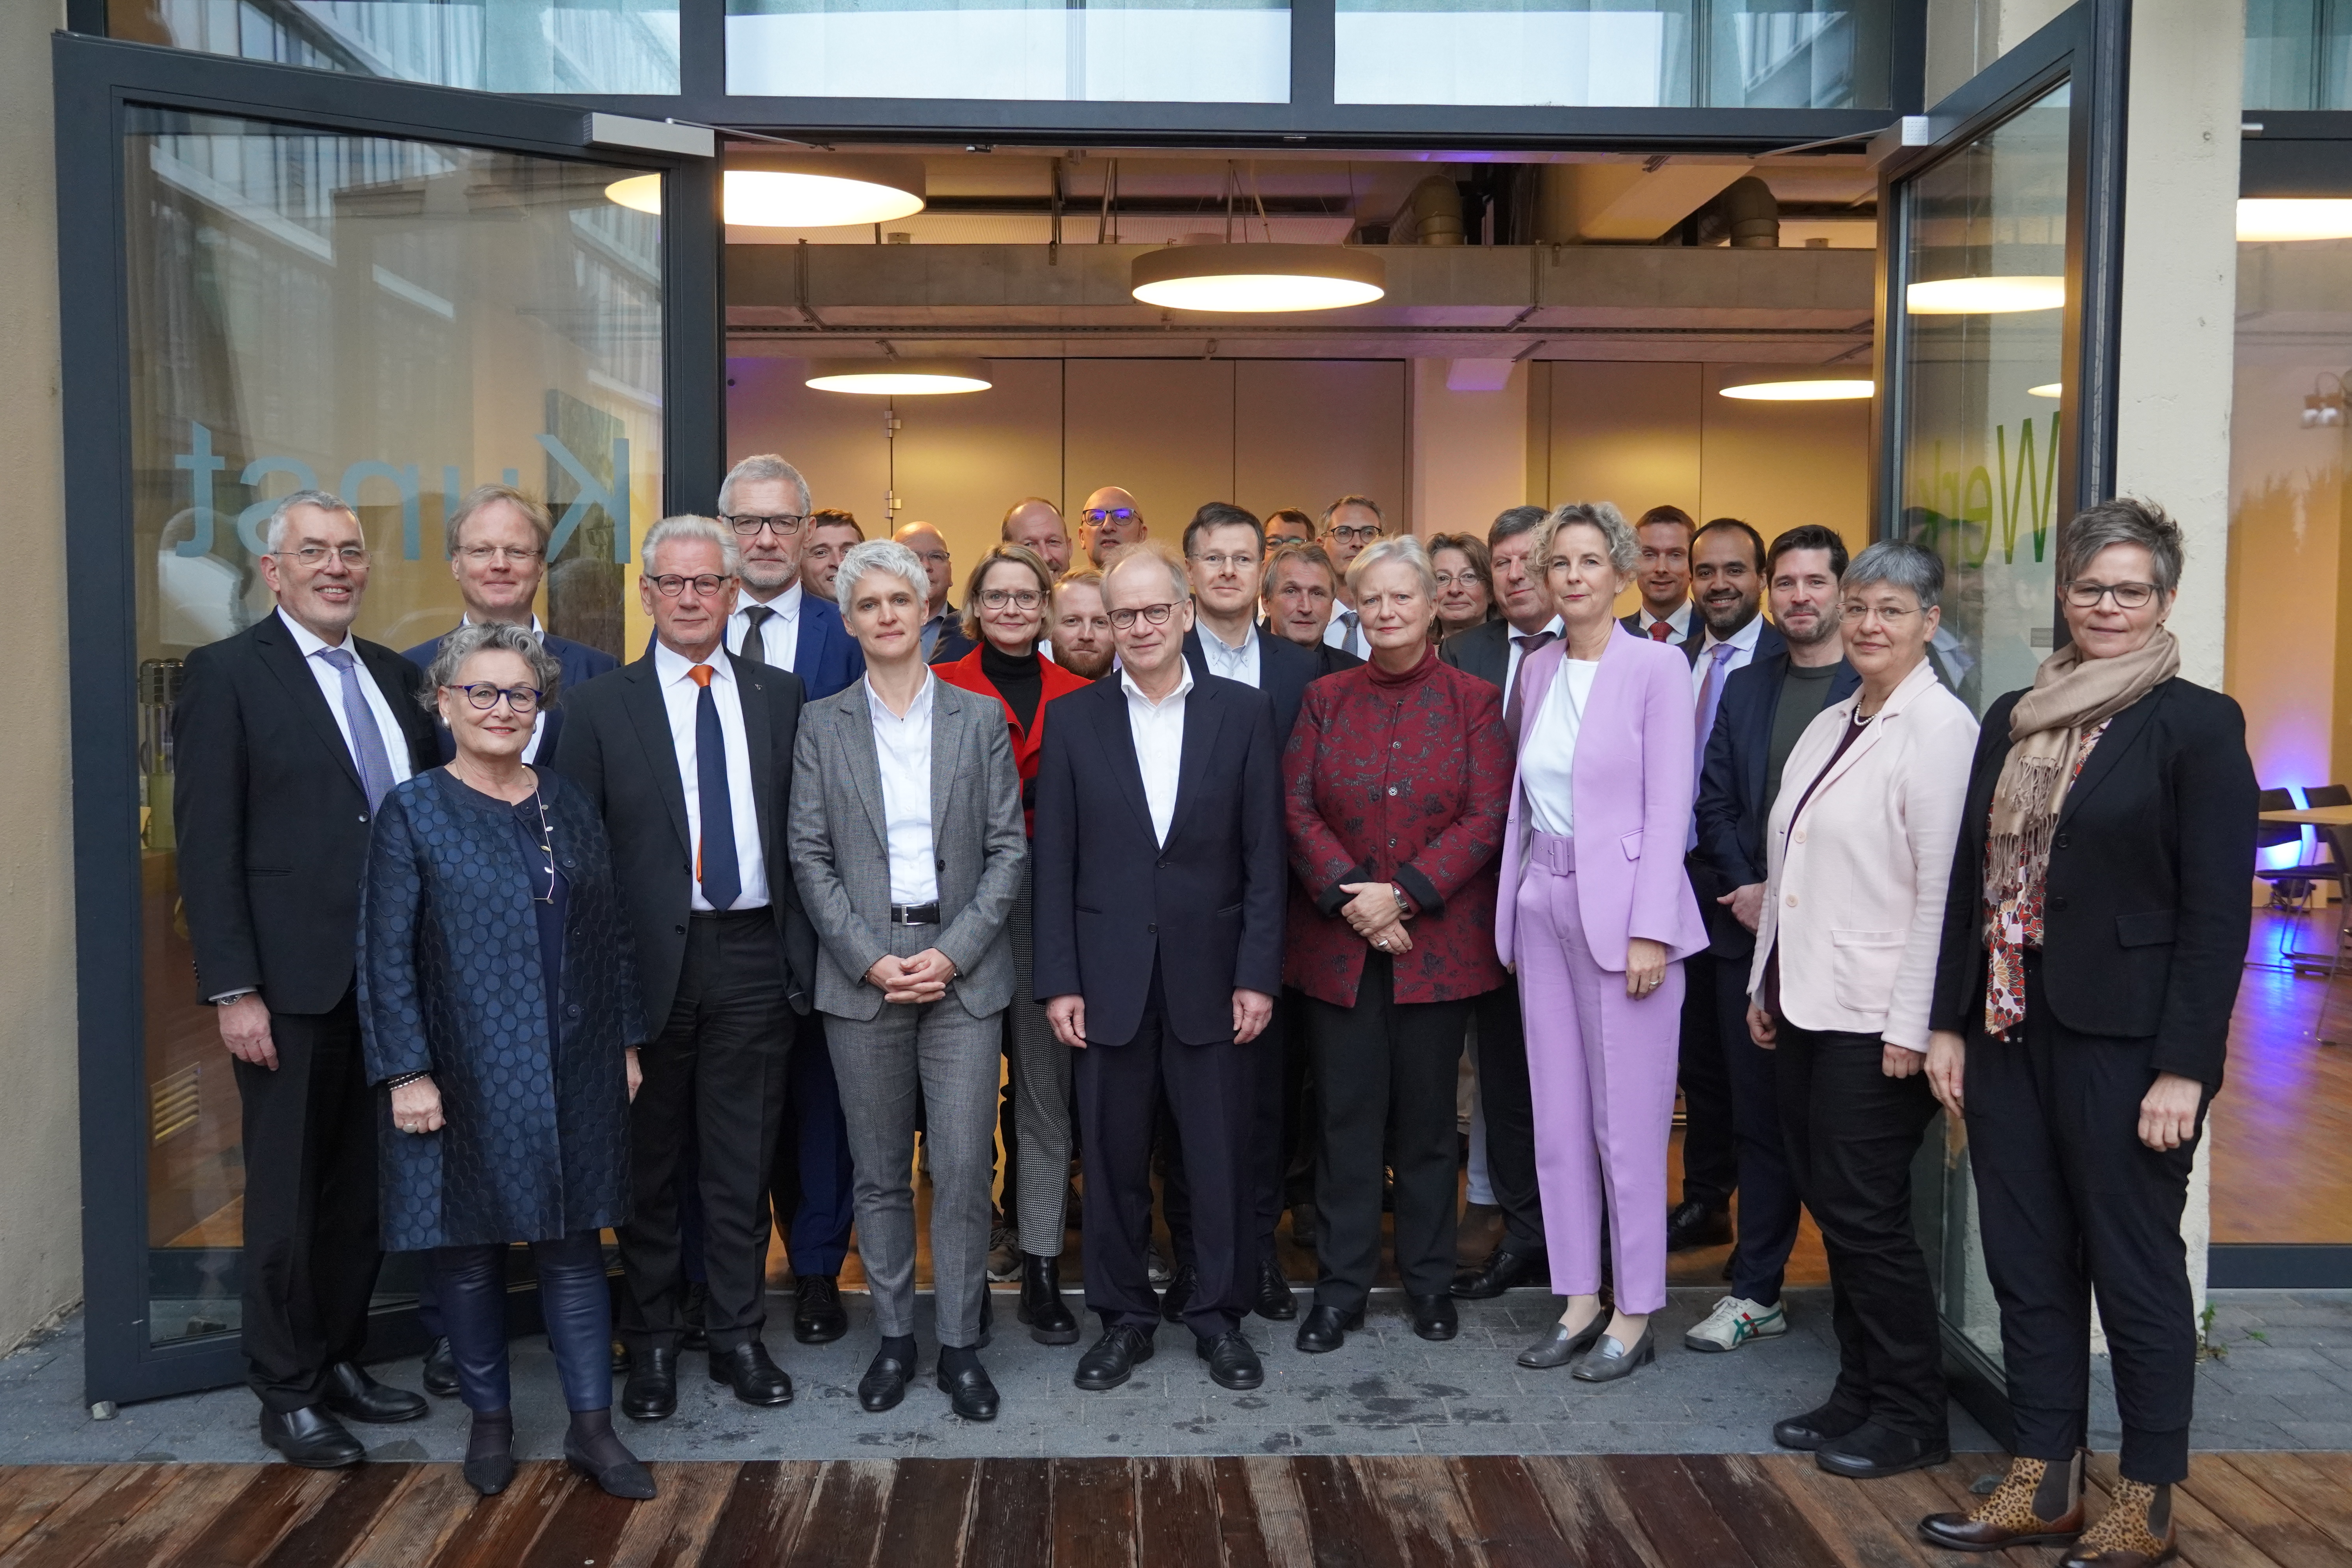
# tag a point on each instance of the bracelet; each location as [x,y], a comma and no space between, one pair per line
[1404,910]
[405,1079]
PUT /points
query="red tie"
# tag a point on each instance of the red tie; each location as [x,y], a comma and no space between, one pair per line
[1662,631]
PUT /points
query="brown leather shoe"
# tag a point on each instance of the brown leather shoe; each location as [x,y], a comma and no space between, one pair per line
[2008,1517]
[2126,1535]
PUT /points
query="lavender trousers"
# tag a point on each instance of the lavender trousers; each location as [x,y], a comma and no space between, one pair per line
[1601,1066]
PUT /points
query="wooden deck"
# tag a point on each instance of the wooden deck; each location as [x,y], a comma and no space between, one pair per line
[2239,1511]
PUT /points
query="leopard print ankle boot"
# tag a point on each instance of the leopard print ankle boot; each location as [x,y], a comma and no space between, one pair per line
[2036,1503]
[2135,1532]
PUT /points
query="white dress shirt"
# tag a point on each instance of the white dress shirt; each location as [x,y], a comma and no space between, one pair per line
[1680,620]
[330,684]
[1517,652]
[538,719]
[1743,649]
[1232,663]
[1159,731]
[903,749]
[1346,630]
[780,636]
[1548,758]
[675,671]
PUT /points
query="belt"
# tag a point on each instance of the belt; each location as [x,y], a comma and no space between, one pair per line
[915,914]
[756,912]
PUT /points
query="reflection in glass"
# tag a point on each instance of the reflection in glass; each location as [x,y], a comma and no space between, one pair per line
[397,321]
[2298,54]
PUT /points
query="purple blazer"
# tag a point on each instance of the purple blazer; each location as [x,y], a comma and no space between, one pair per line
[1632,780]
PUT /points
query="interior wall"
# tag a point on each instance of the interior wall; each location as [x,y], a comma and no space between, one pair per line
[1469,448]
[2286,528]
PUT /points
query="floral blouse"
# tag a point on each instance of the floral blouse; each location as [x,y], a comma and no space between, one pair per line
[2014,924]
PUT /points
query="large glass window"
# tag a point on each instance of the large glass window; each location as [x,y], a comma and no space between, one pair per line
[2298,54]
[395,320]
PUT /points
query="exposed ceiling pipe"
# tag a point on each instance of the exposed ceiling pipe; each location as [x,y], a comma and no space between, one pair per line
[1751,214]
[1432,215]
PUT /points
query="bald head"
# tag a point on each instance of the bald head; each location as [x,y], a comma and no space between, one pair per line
[1037,524]
[930,547]
[1109,519]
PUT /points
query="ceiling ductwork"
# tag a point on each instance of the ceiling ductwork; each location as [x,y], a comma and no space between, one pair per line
[1432,215]
[1746,214]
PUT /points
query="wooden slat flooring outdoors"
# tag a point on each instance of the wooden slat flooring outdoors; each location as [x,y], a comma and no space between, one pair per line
[1727,1510]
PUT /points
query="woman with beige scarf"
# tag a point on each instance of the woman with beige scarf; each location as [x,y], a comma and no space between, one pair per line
[2093,943]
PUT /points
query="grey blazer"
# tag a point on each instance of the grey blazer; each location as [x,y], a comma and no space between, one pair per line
[843,864]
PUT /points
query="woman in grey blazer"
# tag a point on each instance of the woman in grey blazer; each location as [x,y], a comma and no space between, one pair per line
[908,843]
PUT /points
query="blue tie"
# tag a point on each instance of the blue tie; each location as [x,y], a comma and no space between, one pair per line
[367,740]
[714,859]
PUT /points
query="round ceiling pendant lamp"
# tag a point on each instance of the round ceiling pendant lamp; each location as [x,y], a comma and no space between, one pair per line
[1780,386]
[901,377]
[1985,296]
[1208,274]
[2274,218]
[800,190]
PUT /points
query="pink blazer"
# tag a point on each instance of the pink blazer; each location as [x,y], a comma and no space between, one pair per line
[1632,784]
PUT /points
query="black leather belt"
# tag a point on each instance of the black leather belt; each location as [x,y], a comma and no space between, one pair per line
[915,914]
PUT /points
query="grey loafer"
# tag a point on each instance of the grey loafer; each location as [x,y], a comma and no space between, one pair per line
[1609,1360]
[1563,1344]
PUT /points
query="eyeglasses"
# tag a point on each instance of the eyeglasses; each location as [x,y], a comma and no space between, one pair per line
[483,554]
[1363,535]
[2085,594]
[483,695]
[784,524]
[1157,615]
[1109,514]
[1466,579]
[706,584]
[933,557]
[1025,598]
[312,554]
[1219,563]
[1886,616]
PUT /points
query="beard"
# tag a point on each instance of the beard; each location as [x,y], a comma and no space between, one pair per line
[1725,619]
[1086,665]
[770,577]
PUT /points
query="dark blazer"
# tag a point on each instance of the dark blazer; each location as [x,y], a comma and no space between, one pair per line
[1331,660]
[536,1144]
[1284,669]
[1688,642]
[826,657]
[1112,901]
[272,818]
[580,664]
[2146,913]
[1732,810]
[617,748]
[1485,651]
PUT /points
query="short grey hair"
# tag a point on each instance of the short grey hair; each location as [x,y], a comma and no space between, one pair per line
[880,555]
[1624,548]
[474,502]
[1158,550]
[1396,550]
[1512,520]
[1367,502]
[273,532]
[490,637]
[685,526]
[756,469]
[2126,519]
[1898,563]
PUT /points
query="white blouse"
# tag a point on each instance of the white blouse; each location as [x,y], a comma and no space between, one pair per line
[1549,754]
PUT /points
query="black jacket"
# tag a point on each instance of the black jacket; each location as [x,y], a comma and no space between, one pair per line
[1484,651]
[1284,669]
[1111,901]
[1688,642]
[272,819]
[2146,911]
[616,746]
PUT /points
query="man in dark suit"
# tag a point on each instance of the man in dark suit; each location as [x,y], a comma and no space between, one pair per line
[1493,651]
[1159,951]
[1301,589]
[287,736]
[1765,708]
[1665,614]
[687,754]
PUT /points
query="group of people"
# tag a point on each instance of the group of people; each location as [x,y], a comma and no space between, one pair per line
[1219,852]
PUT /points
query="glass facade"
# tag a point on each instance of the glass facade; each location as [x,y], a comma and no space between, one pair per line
[396,320]
[2298,54]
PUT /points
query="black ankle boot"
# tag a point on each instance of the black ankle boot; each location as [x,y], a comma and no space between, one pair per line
[1041,1308]
[596,1451]
[489,1467]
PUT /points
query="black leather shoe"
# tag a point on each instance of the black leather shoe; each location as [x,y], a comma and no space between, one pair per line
[1808,1432]
[311,1438]
[1691,1223]
[694,1312]
[440,1369]
[623,1478]
[970,1394]
[1040,1305]
[1503,1270]
[352,1394]
[651,1392]
[1112,1359]
[1232,1360]
[1326,1328]
[1433,1316]
[884,1383]
[1871,1451]
[1180,1293]
[1274,1298]
[755,1378]
[817,1317]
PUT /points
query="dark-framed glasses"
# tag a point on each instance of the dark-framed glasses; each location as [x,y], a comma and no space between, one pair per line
[1157,615]
[1109,514]
[2085,594]
[1025,598]
[671,585]
[783,524]
[313,554]
[1364,534]
[481,694]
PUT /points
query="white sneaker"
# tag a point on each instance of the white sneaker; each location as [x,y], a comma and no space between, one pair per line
[1734,1322]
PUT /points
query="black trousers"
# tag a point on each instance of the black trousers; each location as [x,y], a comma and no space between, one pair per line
[716,1074]
[310,1237]
[471,1285]
[1510,1110]
[1207,1089]
[1852,1133]
[1280,1127]
[2072,1201]
[1385,1074]
[1710,1138]
[1769,1205]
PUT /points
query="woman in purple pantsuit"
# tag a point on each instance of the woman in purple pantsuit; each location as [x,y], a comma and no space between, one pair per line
[1596,915]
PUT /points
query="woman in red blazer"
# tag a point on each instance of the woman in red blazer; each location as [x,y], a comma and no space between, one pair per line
[1004,605]
[1396,781]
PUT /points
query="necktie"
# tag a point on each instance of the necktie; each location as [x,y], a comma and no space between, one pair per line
[1528,643]
[1710,695]
[755,636]
[714,858]
[1347,630]
[367,740]
[1662,631]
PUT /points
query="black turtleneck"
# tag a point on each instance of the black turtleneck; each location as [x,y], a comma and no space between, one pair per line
[1018,679]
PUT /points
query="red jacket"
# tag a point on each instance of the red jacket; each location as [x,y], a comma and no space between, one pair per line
[1059,682]
[1404,779]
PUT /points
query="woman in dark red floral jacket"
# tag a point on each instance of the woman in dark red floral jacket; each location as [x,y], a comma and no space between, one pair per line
[1398,780]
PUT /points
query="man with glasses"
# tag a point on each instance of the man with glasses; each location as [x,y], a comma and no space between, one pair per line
[1037,524]
[286,738]
[1109,519]
[1349,524]
[943,638]
[829,532]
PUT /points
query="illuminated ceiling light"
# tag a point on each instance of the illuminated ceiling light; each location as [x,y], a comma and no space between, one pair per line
[904,377]
[778,190]
[1985,296]
[1778,388]
[2273,218]
[1210,275]
[2047,389]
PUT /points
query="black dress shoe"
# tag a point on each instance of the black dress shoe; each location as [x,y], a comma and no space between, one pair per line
[1326,1328]
[1433,1316]
[817,1317]
[311,1438]
[1180,1293]
[352,1394]
[1871,1451]
[755,1378]
[1692,1224]
[623,1478]
[1232,1360]
[884,1383]
[440,1369]
[1808,1432]
[965,1383]
[651,1392]
[1503,1270]
[1040,1305]
[694,1312]
[1112,1359]
[1274,1298]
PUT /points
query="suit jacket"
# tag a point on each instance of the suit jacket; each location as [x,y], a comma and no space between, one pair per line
[1857,883]
[825,657]
[1284,669]
[1731,808]
[618,748]
[844,860]
[1485,651]
[272,821]
[1688,642]
[1112,901]
[580,664]
[2146,913]
[1332,660]
[1631,784]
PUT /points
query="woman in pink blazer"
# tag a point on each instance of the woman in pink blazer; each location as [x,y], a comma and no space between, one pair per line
[1596,915]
